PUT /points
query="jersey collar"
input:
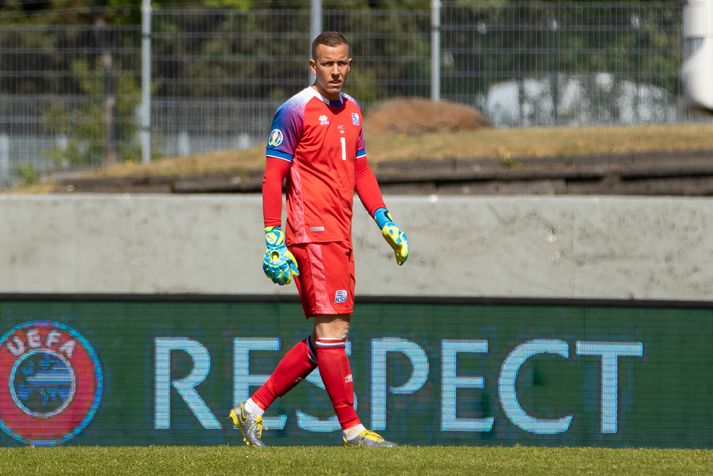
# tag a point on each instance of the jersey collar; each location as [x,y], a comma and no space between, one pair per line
[329,102]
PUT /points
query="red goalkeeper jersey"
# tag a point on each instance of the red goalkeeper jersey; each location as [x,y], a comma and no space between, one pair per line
[322,140]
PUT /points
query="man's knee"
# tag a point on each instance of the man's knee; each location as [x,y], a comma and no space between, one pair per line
[334,326]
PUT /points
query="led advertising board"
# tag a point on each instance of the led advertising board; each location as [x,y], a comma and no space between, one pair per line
[136,371]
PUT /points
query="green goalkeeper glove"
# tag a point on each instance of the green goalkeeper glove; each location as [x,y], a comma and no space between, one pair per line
[392,234]
[278,263]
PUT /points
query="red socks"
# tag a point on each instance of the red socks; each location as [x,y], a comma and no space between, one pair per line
[300,361]
[337,377]
[297,364]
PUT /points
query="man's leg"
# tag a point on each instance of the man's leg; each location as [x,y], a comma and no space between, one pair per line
[294,367]
[330,340]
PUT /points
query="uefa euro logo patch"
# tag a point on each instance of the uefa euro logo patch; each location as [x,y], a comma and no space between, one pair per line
[51,383]
[341,296]
[355,118]
[276,138]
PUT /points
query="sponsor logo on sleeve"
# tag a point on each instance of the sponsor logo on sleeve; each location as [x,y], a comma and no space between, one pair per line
[276,138]
[355,118]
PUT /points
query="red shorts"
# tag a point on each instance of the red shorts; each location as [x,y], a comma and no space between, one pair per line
[326,280]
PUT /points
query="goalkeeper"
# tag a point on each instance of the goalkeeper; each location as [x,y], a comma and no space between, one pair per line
[316,143]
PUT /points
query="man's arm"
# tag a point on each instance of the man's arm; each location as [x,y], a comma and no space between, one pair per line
[367,187]
[278,263]
[275,172]
[370,195]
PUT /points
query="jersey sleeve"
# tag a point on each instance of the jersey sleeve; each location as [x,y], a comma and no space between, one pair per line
[361,143]
[367,187]
[361,146]
[285,132]
[364,179]
[275,172]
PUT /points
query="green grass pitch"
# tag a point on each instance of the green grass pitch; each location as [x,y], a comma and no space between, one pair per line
[295,461]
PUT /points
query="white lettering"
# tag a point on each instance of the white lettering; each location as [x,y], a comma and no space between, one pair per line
[508,393]
[610,352]
[68,348]
[186,387]
[414,380]
[451,382]
[52,338]
[419,361]
[18,348]
[33,338]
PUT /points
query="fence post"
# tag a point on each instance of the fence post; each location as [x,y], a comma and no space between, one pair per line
[4,156]
[315,28]
[146,81]
[435,50]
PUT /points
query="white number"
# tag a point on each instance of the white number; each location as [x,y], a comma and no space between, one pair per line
[344,147]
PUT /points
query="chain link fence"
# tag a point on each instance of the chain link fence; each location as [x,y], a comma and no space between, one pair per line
[70,92]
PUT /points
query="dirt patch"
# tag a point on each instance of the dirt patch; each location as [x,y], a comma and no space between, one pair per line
[413,116]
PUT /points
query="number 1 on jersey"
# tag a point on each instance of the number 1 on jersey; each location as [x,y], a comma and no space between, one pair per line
[343,140]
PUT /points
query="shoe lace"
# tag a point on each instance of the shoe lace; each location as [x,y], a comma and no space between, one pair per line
[259,425]
[370,435]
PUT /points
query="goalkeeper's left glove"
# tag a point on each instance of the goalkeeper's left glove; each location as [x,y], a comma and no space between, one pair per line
[392,234]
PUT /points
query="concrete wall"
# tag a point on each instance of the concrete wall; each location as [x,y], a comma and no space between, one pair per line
[571,247]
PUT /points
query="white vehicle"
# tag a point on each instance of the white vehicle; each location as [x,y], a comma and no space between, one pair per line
[697,69]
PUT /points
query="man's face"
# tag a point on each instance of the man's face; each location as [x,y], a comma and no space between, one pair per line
[330,67]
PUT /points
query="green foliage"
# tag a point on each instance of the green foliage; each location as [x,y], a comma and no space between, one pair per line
[403,50]
[497,42]
[359,85]
[258,50]
[83,126]
[64,12]
[27,173]
[240,48]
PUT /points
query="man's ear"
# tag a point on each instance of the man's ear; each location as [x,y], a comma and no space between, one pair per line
[313,66]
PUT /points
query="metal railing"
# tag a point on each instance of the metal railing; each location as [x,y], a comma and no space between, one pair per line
[70,93]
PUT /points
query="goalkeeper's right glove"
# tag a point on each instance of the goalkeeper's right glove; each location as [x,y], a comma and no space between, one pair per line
[279,264]
[392,234]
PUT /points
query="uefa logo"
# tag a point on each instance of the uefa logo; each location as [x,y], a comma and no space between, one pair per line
[50,383]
